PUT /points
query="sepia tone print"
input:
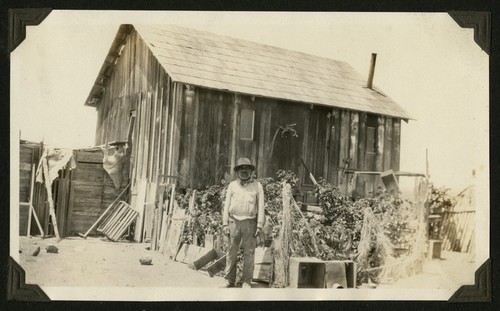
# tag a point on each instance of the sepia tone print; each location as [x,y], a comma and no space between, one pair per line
[351,211]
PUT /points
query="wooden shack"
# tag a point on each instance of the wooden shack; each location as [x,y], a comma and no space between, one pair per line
[80,194]
[190,103]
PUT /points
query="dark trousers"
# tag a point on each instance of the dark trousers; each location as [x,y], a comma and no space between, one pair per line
[241,235]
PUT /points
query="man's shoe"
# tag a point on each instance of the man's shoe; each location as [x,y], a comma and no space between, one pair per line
[246,285]
[227,284]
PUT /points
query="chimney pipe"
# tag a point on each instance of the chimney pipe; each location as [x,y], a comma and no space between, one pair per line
[369,83]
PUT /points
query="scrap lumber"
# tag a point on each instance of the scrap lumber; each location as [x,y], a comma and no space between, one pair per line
[114,216]
[175,231]
[217,265]
[263,255]
[117,222]
[163,229]
[171,206]
[164,126]
[31,199]
[263,267]
[104,214]
[390,181]
[211,241]
[263,272]
[153,242]
[189,253]
[205,259]
[31,210]
[139,206]
[152,140]
[282,243]
[157,216]
[49,196]
[311,176]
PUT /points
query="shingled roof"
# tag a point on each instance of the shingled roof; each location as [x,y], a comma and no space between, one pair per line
[219,62]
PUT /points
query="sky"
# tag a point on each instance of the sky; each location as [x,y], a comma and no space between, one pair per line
[425,62]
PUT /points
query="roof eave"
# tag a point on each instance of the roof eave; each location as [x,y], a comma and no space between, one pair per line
[108,66]
[405,117]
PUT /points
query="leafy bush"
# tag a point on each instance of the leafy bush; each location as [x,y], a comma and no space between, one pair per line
[207,215]
[439,199]
[333,235]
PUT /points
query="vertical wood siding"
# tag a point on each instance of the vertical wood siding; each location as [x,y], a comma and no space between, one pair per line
[91,191]
[199,141]
[140,87]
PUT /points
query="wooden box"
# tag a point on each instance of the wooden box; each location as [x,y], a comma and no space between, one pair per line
[263,268]
[390,181]
[435,249]
[340,274]
[308,272]
[189,253]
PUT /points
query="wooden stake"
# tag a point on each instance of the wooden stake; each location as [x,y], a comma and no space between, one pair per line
[309,172]
[31,199]
[37,221]
[139,207]
[49,196]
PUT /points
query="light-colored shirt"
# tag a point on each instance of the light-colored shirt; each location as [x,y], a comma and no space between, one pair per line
[244,202]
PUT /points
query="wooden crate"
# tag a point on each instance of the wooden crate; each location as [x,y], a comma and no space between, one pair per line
[263,268]
[217,265]
[340,274]
[308,272]
[435,249]
[263,272]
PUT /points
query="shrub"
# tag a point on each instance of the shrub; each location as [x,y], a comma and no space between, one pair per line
[333,235]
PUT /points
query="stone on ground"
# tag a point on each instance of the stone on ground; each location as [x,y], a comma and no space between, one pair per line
[146,260]
[34,250]
[51,249]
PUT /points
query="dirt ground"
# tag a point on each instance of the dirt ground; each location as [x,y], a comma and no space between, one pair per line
[98,262]
[449,272]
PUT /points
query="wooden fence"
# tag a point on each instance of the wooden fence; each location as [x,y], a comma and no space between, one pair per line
[459,231]
[80,195]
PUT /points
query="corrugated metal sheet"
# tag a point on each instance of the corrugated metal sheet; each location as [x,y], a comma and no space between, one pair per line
[219,62]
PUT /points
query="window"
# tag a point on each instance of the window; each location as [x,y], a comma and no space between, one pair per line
[371,142]
[247,120]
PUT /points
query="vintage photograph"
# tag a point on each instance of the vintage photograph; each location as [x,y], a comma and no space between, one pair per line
[214,156]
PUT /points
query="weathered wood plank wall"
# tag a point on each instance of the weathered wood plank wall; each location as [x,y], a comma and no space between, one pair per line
[333,142]
[91,191]
[211,151]
[139,88]
[194,133]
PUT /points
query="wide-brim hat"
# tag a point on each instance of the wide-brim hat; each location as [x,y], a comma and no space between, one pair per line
[244,162]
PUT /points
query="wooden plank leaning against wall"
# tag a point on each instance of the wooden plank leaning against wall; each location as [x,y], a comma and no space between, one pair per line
[143,90]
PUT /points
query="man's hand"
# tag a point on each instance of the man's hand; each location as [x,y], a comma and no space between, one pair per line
[258,231]
[225,229]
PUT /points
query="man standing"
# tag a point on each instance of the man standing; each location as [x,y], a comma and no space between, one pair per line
[242,220]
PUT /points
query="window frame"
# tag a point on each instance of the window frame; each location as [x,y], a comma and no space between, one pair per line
[252,130]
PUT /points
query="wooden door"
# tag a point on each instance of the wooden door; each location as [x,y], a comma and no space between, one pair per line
[287,132]
[87,187]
